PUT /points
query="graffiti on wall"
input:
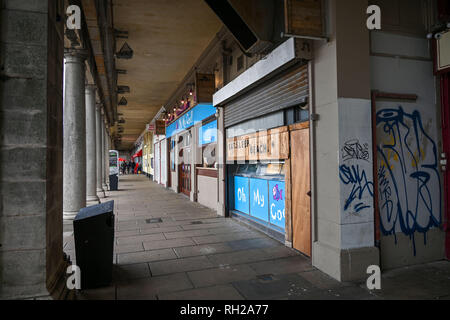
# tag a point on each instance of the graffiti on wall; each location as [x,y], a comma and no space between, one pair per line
[353,174]
[361,187]
[408,176]
[353,149]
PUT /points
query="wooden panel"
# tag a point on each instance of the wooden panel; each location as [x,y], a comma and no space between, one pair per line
[213,173]
[265,145]
[288,203]
[304,18]
[301,188]
[205,86]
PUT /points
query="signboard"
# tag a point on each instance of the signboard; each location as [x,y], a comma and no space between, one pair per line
[113,162]
[443,52]
[277,203]
[241,194]
[264,145]
[207,133]
[160,127]
[259,206]
[191,117]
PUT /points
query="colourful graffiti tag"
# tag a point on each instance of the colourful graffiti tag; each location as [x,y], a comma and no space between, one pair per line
[408,177]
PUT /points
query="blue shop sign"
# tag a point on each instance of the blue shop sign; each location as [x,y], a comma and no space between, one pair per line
[259,207]
[190,118]
[207,133]
[277,203]
[241,194]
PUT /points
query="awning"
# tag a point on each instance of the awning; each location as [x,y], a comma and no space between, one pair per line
[137,154]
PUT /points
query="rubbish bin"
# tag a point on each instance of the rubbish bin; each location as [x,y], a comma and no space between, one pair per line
[94,244]
[113,182]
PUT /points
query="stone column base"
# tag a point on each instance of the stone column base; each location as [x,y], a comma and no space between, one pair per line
[69,215]
[345,265]
[101,193]
[91,199]
[93,202]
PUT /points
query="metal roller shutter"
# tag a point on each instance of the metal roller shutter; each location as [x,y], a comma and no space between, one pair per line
[286,90]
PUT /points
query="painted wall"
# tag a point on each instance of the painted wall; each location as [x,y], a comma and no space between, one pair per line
[408,152]
[207,192]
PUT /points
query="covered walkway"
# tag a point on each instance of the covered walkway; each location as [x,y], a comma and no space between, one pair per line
[170,248]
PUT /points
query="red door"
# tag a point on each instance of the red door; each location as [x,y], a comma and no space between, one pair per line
[445,103]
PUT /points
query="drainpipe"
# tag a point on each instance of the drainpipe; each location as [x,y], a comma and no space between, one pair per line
[312,119]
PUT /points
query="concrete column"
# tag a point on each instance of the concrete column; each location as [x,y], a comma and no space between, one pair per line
[343,234]
[91,160]
[74,169]
[99,150]
[104,154]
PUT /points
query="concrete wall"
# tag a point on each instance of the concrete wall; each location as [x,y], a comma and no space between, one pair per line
[409,147]
[31,255]
[207,191]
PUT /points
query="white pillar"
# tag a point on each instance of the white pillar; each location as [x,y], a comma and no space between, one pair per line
[74,135]
[107,147]
[91,160]
[104,154]
[99,151]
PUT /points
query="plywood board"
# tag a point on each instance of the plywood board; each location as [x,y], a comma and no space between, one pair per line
[301,188]
[304,18]
[265,145]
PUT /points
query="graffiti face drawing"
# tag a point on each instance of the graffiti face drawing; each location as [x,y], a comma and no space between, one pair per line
[408,177]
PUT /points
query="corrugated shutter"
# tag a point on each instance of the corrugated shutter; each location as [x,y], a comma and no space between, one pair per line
[286,90]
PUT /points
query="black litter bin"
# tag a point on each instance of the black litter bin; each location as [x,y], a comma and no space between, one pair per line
[93,229]
[113,182]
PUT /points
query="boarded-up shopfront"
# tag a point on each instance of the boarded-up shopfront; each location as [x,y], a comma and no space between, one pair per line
[268,158]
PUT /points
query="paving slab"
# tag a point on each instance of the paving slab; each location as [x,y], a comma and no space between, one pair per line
[287,265]
[275,287]
[227,237]
[223,292]
[146,256]
[258,243]
[221,275]
[134,247]
[139,238]
[170,243]
[180,265]
[202,250]
[148,289]
[132,271]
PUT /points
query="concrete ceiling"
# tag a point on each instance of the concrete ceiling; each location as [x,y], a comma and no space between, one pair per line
[167,37]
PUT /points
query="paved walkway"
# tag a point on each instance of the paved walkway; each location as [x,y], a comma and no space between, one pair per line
[167,247]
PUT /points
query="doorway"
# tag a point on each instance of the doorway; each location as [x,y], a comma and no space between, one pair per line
[185,179]
[301,188]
